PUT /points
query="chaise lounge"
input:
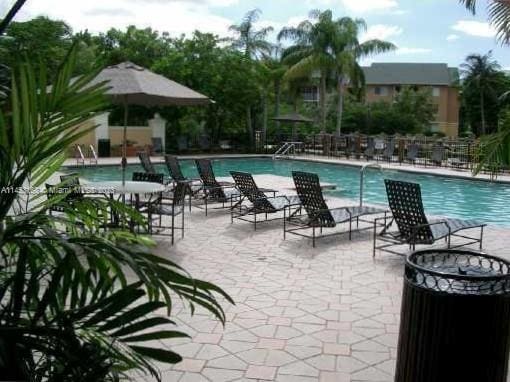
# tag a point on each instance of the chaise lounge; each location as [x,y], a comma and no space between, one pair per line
[319,216]
[414,227]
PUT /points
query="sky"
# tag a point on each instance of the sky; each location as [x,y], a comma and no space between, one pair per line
[423,30]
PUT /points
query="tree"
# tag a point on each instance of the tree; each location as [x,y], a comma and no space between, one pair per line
[312,51]
[348,50]
[482,79]
[253,43]
[141,46]
[45,40]
[499,16]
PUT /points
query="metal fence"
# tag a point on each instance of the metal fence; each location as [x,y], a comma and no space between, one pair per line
[460,153]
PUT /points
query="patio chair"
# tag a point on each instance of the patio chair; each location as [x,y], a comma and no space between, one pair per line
[214,191]
[437,156]
[174,169]
[204,142]
[412,153]
[351,148]
[389,150]
[146,162]
[72,183]
[152,178]
[260,202]
[319,215]
[156,208]
[157,146]
[413,226]
[370,150]
[182,143]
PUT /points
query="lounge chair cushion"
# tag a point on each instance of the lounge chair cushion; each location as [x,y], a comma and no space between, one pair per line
[343,214]
[440,231]
[280,202]
[166,209]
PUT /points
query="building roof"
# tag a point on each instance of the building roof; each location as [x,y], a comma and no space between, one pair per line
[410,74]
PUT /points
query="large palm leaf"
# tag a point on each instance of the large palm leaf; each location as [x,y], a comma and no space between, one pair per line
[69,310]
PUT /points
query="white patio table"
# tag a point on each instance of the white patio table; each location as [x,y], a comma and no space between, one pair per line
[128,188]
[117,188]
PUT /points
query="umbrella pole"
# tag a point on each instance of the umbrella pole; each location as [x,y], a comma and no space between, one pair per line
[124,143]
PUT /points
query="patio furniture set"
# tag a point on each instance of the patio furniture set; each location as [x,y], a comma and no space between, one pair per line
[306,213]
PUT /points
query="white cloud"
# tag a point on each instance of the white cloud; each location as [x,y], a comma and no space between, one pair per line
[402,51]
[173,16]
[474,28]
[357,6]
[369,5]
[381,32]
[452,37]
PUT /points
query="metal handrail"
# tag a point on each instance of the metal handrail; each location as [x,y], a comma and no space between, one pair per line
[286,148]
[362,179]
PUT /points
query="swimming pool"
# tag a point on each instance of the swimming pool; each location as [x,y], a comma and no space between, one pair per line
[489,202]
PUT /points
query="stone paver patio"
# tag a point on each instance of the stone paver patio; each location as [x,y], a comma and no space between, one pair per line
[329,313]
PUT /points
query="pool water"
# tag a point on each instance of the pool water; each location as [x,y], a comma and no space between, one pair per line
[489,202]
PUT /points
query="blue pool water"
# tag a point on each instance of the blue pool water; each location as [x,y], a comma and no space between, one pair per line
[489,202]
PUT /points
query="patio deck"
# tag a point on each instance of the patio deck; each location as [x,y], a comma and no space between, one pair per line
[301,314]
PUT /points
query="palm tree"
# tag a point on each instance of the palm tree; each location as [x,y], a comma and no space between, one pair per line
[312,51]
[249,40]
[481,72]
[347,51]
[276,71]
[499,16]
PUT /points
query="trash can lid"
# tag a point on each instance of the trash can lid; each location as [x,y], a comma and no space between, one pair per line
[458,272]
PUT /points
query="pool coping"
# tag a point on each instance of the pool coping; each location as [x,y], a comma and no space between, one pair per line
[419,171]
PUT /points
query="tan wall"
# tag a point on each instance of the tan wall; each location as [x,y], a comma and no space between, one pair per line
[447,117]
[140,135]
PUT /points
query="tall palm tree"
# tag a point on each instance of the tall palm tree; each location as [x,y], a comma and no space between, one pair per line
[481,72]
[347,51]
[499,16]
[312,51]
[250,40]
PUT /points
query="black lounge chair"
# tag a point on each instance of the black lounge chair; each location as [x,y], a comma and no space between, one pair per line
[156,208]
[214,191]
[413,226]
[437,156]
[389,150]
[157,146]
[319,215]
[370,150]
[146,162]
[174,169]
[351,148]
[260,202]
[412,153]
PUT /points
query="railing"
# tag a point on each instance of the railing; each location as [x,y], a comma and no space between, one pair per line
[288,148]
[458,153]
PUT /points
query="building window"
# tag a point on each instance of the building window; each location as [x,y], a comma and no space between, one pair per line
[310,94]
[436,92]
[381,90]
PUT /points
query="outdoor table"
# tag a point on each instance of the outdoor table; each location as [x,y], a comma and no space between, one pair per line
[128,188]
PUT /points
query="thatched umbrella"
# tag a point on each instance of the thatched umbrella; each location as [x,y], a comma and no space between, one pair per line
[293,118]
[130,84]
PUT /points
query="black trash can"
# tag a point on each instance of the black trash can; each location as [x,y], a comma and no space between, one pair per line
[455,318]
[103,148]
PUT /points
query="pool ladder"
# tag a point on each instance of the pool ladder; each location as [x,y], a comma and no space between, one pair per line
[288,148]
[362,179]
